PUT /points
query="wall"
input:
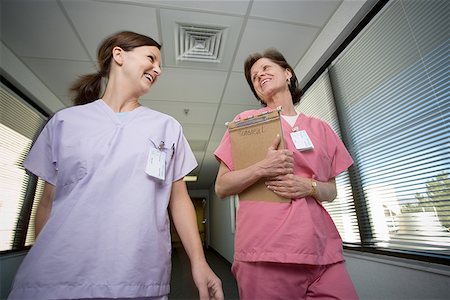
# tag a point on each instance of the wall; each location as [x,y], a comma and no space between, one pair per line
[9,263]
[382,277]
[222,237]
[203,194]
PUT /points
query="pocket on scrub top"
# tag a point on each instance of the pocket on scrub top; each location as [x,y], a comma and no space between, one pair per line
[72,164]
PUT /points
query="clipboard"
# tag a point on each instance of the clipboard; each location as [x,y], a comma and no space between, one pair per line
[250,139]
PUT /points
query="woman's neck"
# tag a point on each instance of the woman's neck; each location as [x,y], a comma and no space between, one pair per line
[283,100]
[121,104]
[118,101]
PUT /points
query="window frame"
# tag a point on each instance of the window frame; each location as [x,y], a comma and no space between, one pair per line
[357,189]
[23,222]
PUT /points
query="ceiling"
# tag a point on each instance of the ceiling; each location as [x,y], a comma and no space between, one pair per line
[56,41]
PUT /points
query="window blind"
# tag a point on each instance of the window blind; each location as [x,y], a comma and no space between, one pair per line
[318,101]
[19,123]
[392,92]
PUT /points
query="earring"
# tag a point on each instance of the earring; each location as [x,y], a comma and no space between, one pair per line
[288,80]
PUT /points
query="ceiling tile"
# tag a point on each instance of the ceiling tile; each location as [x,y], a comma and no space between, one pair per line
[238,91]
[229,7]
[198,155]
[196,132]
[188,85]
[199,113]
[314,13]
[277,35]
[213,144]
[108,18]
[229,111]
[39,29]
[216,135]
[58,75]
[208,173]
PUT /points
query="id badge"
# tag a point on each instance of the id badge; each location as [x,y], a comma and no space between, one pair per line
[156,164]
[301,140]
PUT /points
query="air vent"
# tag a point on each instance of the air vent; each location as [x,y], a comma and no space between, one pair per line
[199,43]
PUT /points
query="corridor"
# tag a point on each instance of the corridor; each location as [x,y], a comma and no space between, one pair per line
[182,284]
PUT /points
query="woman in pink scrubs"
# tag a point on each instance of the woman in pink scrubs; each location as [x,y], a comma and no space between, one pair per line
[287,250]
[112,170]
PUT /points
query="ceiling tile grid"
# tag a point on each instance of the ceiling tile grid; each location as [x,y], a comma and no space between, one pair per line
[57,41]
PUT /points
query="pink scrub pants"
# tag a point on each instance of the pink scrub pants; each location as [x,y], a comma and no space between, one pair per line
[271,281]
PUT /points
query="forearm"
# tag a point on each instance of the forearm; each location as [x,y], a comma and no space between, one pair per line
[233,182]
[44,208]
[185,220]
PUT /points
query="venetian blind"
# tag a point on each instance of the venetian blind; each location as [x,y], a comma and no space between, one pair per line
[318,101]
[19,124]
[392,89]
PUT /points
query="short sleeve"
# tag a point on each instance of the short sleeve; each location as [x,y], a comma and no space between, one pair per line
[184,159]
[341,159]
[41,160]
[223,151]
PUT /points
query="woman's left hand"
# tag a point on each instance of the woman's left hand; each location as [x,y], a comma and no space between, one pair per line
[295,187]
[208,284]
[290,186]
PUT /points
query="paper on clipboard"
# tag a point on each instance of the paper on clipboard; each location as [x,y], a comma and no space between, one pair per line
[250,139]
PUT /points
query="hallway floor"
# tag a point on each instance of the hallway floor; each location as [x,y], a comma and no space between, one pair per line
[182,284]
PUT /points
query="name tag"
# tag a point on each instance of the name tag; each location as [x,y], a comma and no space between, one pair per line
[156,164]
[301,140]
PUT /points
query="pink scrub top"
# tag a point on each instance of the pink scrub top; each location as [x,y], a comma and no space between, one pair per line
[300,232]
[108,235]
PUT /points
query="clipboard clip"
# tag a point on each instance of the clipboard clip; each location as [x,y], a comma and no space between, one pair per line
[259,118]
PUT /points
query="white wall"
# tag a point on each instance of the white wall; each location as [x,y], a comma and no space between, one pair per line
[222,237]
[9,263]
[205,195]
[381,277]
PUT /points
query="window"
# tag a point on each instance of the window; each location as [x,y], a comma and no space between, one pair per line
[391,91]
[318,101]
[19,191]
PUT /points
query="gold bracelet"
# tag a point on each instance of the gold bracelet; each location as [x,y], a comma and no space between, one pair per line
[313,188]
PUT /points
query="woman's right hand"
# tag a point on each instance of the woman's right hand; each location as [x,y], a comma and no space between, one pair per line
[277,162]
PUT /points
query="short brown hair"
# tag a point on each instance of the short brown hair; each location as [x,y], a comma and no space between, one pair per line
[275,56]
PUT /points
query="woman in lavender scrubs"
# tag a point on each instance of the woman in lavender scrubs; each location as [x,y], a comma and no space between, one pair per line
[112,170]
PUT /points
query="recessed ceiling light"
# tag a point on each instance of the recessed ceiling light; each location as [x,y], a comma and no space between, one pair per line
[190,178]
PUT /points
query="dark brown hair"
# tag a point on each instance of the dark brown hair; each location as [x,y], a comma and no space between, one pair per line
[88,87]
[275,56]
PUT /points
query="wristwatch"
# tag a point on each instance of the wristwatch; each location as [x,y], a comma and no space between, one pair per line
[313,188]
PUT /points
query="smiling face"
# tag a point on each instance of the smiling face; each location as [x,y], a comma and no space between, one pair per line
[269,78]
[142,65]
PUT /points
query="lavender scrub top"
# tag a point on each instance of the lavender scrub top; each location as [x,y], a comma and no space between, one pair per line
[300,232]
[108,235]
